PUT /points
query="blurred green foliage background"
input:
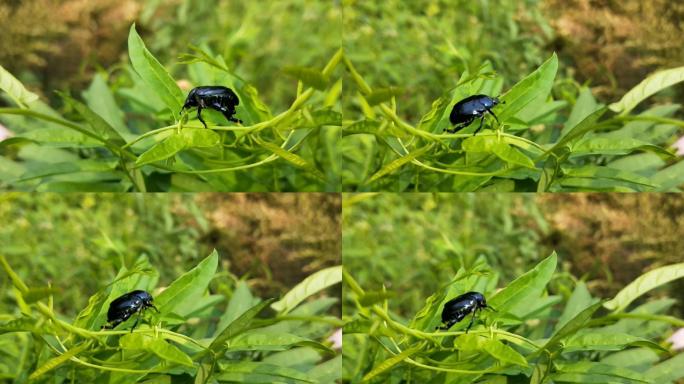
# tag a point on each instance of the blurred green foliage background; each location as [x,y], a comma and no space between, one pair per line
[63,43]
[77,242]
[413,244]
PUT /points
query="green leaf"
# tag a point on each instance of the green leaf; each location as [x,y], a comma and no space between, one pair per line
[35,294]
[60,137]
[153,73]
[579,300]
[598,145]
[272,341]
[398,163]
[134,341]
[571,327]
[535,86]
[586,104]
[526,287]
[259,372]
[390,363]
[504,353]
[579,130]
[99,127]
[599,341]
[326,116]
[599,177]
[644,283]
[648,87]
[591,372]
[16,280]
[309,76]
[176,142]
[511,155]
[308,287]
[638,359]
[238,326]
[290,157]
[671,177]
[169,352]
[381,95]
[499,147]
[168,147]
[15,89]
[239,303]
[430,121]
[373,297]
[59,360]
[469,342]
[667,371]
[362,126]
[100,99]
[63,168]
[194,281]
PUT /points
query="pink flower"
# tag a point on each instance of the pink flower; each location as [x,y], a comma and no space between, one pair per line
[336,339]
[679,146]
[5,133]
[677,338]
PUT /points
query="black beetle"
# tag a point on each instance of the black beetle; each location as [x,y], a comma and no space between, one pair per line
[215,97]
[469,109]
[124,306]
[458,308]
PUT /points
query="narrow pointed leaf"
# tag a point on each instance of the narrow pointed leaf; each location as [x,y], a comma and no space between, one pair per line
[644,283]
[308,287]
[194,281]
[153,73]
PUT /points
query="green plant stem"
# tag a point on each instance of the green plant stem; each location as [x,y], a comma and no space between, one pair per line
[430,367]
[45,310]
[120,151]
[230,169]
[644,316]
[299,101]
[455,172]
[490,331]
[657,119]
[333,63]
[358,79]
[314,319]
[401,327]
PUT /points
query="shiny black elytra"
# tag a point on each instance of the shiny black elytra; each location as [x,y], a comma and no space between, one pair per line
[124,306]
[214,97]
[471,108]
[458,308]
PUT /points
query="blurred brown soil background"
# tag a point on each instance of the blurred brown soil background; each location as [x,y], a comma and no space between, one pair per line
[272,241]
[616,44]
[282,236]
[614,238]
[610,44]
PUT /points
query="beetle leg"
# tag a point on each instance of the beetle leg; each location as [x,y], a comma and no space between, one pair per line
[480,127]
[472,319]
[495,118]
[153,307]
[446,326]
[199,116]
[228,113]
[458,127]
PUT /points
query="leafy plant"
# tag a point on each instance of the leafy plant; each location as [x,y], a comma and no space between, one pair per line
[591,149]
[534,336]
[100,147]
[189,338]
